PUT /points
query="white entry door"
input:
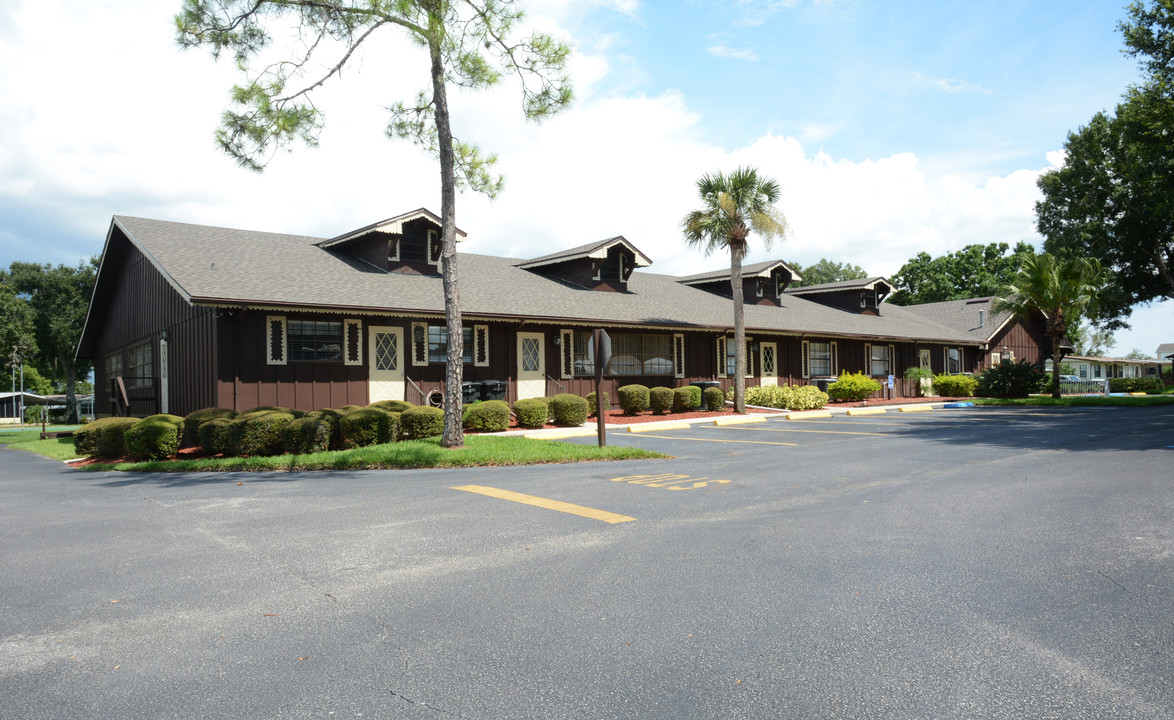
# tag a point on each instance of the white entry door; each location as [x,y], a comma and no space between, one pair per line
[386,362]
[769,353]
[531,365]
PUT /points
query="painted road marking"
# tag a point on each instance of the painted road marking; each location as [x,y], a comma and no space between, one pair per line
[573,432]
[693,439]
[739,420]
[653,427]
[819,432]
[560,506]
[669,481]
[807,415]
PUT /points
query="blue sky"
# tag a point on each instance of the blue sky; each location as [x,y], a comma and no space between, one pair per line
[893,127]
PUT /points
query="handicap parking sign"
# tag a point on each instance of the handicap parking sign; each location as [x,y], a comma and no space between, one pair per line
[890,382]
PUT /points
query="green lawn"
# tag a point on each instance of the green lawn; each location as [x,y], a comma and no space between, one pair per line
[1083,401]
[58,448]
[479,451]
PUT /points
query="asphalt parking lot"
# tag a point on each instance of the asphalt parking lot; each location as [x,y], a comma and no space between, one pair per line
[975,563]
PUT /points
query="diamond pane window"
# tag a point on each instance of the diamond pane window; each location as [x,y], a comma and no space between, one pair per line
[768,360]
[530,355]
[386,351]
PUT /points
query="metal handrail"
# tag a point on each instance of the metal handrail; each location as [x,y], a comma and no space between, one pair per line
[556,382]
[419,391]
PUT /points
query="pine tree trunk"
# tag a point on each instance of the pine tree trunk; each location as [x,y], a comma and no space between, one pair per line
[739,329]
[1056,357]
[453,431]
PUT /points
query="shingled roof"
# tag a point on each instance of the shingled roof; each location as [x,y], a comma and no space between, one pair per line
[226,267]
[859,284]
[597,250]
[762,269]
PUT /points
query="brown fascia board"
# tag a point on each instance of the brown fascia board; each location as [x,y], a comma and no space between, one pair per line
[724,275]
[402,218]
[838,287]
[591,250]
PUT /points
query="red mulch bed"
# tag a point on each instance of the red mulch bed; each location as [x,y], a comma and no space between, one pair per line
[617,417]
[184,454]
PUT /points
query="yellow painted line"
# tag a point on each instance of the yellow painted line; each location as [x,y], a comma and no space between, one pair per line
[653,427]
[808,415]
[560,506]
[867,411]
[1135,394]
[574,432]
[780,428]
[916,408]
[738,420]
[748,442]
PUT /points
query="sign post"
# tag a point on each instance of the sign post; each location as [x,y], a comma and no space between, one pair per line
[891,393]
[600,355]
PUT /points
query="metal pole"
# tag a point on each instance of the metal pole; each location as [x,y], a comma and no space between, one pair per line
[22,391]
[600,409]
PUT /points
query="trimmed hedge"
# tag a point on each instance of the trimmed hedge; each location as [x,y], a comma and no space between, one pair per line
[421,422]
[488,416]
[154,437]
[88,440]
[715,399]
[1011,379]
[686,398]
[258,432]
[531,412]
[193,421]
[804,397]
[853,388]
[277,409]
[391,405]
[331,417]
[633,399]
[309,434]
[214,436]
[366,426]
[1146,385]
[348,409]
[660,400]
[955,385]
[591,409]
[568,410]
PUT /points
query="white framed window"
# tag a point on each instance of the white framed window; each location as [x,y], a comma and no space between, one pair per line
[632,354]
[438,344]
[952,360]
[819,360]
[879,360]
[314,340]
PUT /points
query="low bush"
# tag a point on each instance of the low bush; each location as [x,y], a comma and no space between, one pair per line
[954,385]
[348,409]
[715,399]
[309,434]
[154,437]
[193,421]
[633,399]
[364,427]
[806,397]
[592,411]
[772,396]
[214,436]
[391,405]
[331,417]
[532,412]
[686,399]
[852,388]
[488,416]
[1010,379]
[88,440]
[421,422]
[568,410]
[276,409]
[257,432]
[660,400]
[1145,385]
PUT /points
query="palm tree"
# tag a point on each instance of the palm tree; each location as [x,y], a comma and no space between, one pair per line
[732,206]
[1063,290]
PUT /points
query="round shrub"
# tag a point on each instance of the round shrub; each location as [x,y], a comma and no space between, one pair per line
[421,422]
[660,400]
[633,399]
[365,426]
[853,388]
[331,417]
[348,409]
[257,433]
[954,385]
[154,437]
[591,409]
[111,440]
[488,416]
[532,412]
[391,405]
[277,409]
[806,397]
[771,396]
[715,399]
[568,410]
[193,421]
[686,399]
[309,434]
[214,436]
[87,440]
[1010,379]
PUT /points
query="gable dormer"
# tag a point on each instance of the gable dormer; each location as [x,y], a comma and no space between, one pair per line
[763,283]
[408,243]
[606,265]
[862,296]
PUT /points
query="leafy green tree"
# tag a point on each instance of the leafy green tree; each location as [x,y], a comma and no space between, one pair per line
[59,298]
[1063,290]
[974,271]
[1113,199]
[34,381]
[731,207]
[826,271]
[17,338]
[469,44]
[1089,341]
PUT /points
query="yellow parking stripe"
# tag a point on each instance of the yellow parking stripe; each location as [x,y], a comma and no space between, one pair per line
[694,439]
[560,506]
[783,428]
[653,427]
[573,432]
[736,420]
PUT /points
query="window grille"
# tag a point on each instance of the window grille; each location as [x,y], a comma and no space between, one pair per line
[438,344]
[314,340]
[632,354]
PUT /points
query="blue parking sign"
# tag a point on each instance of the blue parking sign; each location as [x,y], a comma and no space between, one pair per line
[890,382]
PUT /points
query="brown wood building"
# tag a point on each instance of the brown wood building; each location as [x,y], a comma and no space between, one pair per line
[191,317]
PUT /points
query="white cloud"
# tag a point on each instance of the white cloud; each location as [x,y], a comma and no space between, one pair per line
[950,85]
[723,51]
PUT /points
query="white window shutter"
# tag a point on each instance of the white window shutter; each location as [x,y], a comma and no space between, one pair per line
[892,360]
[721,357]
[567,353]
[835,358]
[678,355]
[419,344]
[806,362]
[352,342]
[481,346]
[276,350]
[868,359]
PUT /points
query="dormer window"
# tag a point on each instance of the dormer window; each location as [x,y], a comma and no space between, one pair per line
[611,269]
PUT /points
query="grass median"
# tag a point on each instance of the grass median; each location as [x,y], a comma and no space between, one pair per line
[479,451]
[1081,401]
[56,448]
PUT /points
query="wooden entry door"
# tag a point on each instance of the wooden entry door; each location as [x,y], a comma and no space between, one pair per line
[531,365]
[769,362]
[385,348]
